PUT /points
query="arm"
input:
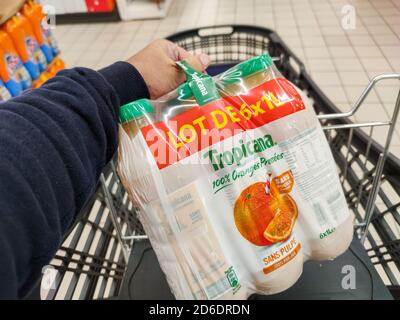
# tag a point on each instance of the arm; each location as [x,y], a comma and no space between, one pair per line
[54,142]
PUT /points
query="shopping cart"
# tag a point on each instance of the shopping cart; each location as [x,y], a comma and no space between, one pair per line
[98,255]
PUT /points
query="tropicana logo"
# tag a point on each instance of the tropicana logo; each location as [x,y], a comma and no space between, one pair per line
[200,84]
[237,154]
[224,116]
[200,127]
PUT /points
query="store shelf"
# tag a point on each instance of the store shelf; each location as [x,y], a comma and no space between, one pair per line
[88,17]
[143,9]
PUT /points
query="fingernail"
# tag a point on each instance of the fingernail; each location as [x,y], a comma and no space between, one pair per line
[205,59]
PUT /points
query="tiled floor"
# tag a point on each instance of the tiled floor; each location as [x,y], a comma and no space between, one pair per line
[341,61]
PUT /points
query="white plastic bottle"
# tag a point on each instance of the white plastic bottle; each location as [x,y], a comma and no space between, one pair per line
[177,222]
[329,224]
[259,271]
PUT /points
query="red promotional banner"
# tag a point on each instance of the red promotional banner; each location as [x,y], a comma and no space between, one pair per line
[201,127]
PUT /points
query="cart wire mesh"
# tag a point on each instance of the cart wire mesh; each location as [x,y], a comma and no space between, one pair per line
[92,260]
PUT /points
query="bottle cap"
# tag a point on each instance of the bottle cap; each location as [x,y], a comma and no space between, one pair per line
[134,110]
[245,69]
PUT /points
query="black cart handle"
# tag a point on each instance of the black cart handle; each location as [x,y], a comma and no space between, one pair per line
[215,31]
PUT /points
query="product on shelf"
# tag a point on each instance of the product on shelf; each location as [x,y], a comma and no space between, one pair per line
[57,65]
[44,76]
[12,71]
[100,5]
[4,93]
[235,182]
[33,11]
[21,32]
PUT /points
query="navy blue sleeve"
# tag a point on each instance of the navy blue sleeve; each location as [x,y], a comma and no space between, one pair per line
[54,142]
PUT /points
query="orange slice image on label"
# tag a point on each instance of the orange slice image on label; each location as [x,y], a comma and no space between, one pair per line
[281,226]
[263,218]
[254,210]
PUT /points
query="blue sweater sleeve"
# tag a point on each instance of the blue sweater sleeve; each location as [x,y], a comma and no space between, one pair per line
[54,142]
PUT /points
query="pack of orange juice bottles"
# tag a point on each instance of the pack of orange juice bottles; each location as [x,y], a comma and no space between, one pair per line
[234,182]
[12,71]
[21,32]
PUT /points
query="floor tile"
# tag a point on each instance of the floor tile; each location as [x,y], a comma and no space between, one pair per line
[376,64]
[347,64]
[312,52]
[364,40]
[353,93]
[390,51]
[342,52]
[387,40]
[320,64]
[327,78]
[354,78]
[369,52]
[387,93]
[336,94]
[371,112]
[337,41]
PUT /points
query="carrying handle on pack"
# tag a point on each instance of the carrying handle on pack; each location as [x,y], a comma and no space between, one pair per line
[191,73]
[201,86]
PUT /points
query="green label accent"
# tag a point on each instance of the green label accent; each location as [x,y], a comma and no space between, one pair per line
[245,69]
[204,90]
[190,72]
[326,233]
[232,277]
[202,86]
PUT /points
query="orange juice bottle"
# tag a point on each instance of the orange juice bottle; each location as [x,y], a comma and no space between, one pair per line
[42,79]
[33,11]
[21,32]
[57,65]
[12,71]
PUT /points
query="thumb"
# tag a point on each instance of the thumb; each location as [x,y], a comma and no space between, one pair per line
[200,61]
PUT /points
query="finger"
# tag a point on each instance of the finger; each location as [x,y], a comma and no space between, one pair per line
[200,62]
[205,60]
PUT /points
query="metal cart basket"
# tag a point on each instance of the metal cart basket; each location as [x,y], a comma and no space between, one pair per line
[92,261]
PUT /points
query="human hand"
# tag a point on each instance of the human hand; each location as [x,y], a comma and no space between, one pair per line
[157,65]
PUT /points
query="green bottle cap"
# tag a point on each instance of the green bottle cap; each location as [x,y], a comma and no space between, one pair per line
[246,68]
[134,110]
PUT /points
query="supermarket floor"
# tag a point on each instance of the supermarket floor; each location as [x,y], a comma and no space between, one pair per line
[341,61]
